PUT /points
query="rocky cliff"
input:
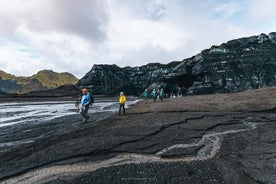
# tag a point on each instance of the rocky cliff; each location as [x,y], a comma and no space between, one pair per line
[111,79]
[240,64]
[43,80]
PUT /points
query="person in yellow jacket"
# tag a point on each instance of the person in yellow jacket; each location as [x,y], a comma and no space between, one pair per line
[122,102]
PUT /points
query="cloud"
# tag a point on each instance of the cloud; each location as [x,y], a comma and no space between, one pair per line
[52,33]
[181,30]
[85,18]
[72,35]
[150,54]
[260,15]
[262,10]
[228,10]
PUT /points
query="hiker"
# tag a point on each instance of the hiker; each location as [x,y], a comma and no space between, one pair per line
[85,101]
[122,102]
[179,92]
[77,104]
[154,95]
[146,94]
[161,95]
[158,94]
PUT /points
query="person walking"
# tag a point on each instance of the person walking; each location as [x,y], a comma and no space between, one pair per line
[122,102]
[158,94]
[146,94]
[154,95]
[162,95]
[77,104]
[85,101]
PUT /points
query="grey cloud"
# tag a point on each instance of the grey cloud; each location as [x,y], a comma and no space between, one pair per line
[87,19]
[150,54]
[8,21]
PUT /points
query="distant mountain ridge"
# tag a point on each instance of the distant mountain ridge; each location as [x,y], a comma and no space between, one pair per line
[43,80]
[61,91]
[238,65]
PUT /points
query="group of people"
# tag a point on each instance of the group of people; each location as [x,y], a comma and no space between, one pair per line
[155,94]
[86,100]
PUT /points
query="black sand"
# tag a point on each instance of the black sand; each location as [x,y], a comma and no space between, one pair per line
[184,140]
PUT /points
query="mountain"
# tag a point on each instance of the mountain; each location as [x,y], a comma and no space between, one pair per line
[43,80]
[61,91]
[238,65]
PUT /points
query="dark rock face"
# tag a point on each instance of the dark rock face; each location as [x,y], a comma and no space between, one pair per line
[245,63]
[111,79]
[9,85]
[2,93]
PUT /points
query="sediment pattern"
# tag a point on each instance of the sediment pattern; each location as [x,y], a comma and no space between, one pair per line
[204,144]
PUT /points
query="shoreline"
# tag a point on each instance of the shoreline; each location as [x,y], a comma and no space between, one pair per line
[100,98]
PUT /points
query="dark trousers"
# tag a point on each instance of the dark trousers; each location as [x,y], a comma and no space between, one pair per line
[84,112]
[122,105]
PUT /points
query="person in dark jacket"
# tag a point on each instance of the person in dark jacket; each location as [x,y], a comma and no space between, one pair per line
[146,94]
[154,95]
[162,95]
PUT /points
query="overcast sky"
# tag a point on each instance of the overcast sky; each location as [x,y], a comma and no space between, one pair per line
[72,35]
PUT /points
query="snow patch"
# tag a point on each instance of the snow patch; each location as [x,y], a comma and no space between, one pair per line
[219,50]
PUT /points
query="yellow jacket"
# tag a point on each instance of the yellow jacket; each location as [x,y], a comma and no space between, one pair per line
[122,99]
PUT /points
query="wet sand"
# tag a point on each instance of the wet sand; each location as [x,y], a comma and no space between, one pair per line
[226,138]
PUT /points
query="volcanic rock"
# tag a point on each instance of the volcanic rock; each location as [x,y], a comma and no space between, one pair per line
[111,79]
[238,65]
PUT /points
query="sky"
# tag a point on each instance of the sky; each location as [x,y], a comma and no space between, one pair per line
[73,35]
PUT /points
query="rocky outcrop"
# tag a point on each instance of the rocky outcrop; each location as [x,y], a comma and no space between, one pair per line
[241,64]
[111,79]
[246,63]
[43,80]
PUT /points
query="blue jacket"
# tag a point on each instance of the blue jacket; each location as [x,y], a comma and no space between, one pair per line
[85,100]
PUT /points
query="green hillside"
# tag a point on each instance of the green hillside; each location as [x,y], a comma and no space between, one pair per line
[43,80]
[51,79]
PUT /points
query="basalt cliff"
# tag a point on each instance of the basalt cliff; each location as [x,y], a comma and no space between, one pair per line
[238,65]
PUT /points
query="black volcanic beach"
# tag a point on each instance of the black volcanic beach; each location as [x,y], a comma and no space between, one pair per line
[223,138]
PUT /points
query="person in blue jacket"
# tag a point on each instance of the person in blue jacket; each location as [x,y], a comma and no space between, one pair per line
[85,101]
